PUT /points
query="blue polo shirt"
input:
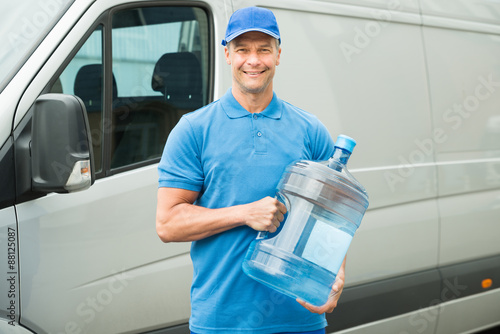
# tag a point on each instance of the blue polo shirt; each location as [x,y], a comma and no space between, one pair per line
[232,157]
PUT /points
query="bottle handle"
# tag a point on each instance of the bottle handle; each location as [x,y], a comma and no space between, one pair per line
[283,199]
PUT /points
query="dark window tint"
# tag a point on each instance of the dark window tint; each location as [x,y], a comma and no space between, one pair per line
[160,72]
[83,77]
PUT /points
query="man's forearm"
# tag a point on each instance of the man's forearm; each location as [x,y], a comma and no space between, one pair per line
[188,222]
[177,219]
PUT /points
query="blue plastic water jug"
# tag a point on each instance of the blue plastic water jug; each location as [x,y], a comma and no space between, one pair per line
[325,206]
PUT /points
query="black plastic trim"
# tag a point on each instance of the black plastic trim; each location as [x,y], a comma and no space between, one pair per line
[8,175]
[464,279]
[383,299]
[370,302]
[181,329]
[22,158]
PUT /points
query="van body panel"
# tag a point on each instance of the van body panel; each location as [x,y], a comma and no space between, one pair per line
[405,6]
[6,117]
[5,327]
[475,312]
[96,257]
[397,11]
[469,226]
[464,99]
[464,104]
[482,11]
[417,239]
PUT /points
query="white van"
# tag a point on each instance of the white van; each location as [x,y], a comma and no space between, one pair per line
[89,91]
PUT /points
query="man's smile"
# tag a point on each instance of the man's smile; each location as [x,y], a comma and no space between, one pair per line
[254,73]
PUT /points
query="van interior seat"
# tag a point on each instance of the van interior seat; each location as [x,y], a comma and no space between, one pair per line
[88,86]
[178,77]
[143,125]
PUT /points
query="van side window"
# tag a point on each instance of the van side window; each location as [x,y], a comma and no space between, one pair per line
[160,65]
[83,77]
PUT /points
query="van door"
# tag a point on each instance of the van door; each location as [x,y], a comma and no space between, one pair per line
[462,43]
[91,261]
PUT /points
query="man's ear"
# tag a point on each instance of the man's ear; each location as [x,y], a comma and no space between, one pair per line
[226,52]
[279,55]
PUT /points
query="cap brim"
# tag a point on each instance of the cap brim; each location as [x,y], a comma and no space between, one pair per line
[241,32]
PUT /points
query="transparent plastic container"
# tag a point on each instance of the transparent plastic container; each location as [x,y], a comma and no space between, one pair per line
[325,206]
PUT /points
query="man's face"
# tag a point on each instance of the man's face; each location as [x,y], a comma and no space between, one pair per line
[253,57]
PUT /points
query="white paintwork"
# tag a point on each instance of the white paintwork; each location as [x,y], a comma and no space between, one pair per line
[394,241]
[5,327]
[101,244]
[484,11]
[468,314]
[464,82]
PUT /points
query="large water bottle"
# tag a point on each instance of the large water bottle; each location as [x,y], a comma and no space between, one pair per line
[325,206]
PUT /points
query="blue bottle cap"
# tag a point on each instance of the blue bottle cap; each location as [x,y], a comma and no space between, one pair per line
[345,142]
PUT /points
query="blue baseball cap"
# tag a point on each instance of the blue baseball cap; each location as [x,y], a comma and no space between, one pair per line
[251,19]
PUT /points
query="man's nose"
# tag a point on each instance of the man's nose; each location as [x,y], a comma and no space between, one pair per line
[253,58]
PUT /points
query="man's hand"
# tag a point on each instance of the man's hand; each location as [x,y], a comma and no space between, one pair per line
[265,214]
[333,298]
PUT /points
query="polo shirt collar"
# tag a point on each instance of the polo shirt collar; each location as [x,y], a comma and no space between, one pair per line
[233,108]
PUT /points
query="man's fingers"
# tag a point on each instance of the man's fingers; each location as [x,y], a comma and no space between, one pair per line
[281,208]
[275,224]
[280,217]
[316,309]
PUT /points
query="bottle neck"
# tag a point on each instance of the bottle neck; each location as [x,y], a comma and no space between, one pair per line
[339,158]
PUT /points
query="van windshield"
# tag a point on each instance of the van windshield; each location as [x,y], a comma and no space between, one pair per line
[24,24]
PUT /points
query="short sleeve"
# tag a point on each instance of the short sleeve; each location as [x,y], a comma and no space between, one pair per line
[323,143]
[180,165]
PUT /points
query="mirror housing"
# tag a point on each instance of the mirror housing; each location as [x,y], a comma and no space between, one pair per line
[61,149]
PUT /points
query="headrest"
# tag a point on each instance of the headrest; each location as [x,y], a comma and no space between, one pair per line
[88,86]
[177,74]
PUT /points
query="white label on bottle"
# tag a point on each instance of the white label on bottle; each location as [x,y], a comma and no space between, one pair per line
[327,246]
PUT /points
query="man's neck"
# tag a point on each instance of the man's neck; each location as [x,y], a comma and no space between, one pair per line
[253,103]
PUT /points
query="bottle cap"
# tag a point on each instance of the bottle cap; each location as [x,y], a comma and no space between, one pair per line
[345,142]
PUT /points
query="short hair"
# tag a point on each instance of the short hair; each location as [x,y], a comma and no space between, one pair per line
[278,44]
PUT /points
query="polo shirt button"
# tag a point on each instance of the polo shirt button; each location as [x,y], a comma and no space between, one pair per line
[255,116]
[259,134]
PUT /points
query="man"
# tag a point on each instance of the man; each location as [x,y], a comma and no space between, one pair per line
[218,175]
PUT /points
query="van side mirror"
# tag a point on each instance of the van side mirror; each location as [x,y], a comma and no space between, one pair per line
[61,151]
